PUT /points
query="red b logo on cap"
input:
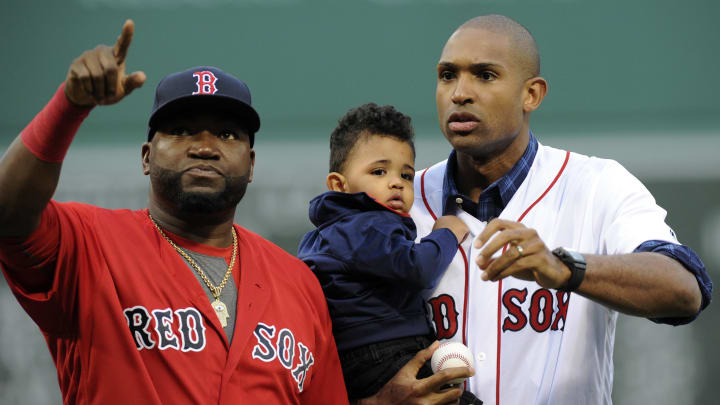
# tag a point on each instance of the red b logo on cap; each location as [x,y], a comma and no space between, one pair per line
[205,82]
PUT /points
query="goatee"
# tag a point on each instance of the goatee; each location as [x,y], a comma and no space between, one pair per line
[168,184]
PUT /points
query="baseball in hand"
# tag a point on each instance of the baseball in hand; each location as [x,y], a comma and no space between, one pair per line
[451,354]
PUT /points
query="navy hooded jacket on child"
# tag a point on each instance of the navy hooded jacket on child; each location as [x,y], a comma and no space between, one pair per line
[371,270]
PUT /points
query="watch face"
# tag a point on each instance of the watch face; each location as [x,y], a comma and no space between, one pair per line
[577,257]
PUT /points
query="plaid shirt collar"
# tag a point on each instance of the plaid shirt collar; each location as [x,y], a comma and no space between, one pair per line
[494,198]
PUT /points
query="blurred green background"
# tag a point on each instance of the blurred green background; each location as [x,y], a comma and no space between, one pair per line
[635,81]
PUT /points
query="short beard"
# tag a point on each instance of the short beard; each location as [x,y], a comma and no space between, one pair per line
[168,184]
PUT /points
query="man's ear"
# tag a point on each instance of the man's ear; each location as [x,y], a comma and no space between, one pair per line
[535,90]
[252,165]
[336,182]
[145,157]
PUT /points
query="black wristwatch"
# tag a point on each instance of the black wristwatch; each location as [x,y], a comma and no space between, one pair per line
[576,263]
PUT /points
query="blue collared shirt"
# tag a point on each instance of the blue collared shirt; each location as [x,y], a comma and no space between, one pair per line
[496,196]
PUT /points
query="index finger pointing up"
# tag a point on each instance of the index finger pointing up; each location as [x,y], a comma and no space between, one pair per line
[123,41]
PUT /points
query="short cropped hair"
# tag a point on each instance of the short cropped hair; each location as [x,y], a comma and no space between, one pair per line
[367,119]
[524,46]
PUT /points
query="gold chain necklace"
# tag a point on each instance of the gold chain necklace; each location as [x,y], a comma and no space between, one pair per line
[219,306]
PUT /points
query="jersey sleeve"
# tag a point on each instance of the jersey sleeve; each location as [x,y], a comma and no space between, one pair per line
[631,221]
[625,213]
[384,249]
[42,269]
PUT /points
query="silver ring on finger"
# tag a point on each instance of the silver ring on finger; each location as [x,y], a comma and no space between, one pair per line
[520,251]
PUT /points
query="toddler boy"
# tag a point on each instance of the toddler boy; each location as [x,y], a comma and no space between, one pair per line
[364,252]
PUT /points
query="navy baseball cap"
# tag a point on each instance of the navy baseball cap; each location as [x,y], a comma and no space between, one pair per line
[204,84]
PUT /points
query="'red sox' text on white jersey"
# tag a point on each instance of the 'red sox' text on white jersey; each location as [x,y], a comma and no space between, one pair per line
[534,345]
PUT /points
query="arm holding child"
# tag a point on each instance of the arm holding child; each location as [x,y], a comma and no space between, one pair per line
[388,250]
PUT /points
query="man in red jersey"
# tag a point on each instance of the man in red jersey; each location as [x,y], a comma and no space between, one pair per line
[173,303]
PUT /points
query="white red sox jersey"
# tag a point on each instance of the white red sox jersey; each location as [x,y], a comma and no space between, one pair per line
[127,322]
[534,345]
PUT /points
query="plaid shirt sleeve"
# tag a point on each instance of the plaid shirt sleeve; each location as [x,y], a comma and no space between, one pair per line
[688,258]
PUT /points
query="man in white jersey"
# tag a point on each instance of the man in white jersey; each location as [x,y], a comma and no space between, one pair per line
[560,242]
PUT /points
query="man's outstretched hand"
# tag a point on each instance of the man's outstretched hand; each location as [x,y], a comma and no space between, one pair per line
[98,75]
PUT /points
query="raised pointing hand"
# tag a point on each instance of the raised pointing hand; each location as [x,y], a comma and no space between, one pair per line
[98,75]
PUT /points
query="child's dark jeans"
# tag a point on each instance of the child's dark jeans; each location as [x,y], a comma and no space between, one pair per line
[368,368]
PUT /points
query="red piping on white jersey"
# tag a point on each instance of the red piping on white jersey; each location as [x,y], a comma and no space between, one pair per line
[499,333]
[462,252]
[467,294]
[464,256]
[422,191]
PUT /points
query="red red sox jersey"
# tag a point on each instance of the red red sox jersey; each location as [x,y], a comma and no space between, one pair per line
[127,322]
[534,345]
